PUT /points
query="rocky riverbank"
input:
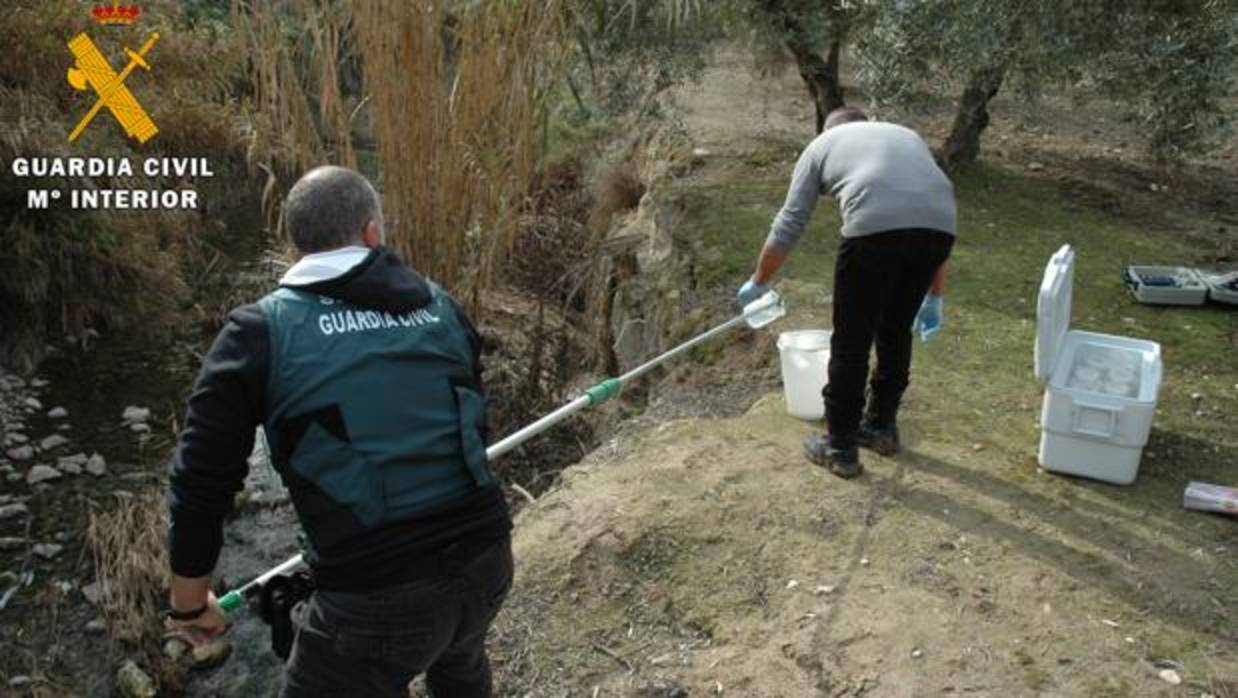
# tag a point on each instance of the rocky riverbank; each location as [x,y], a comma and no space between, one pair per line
[42,551]
[62,629]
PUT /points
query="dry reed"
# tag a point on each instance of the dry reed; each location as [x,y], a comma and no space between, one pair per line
[454,94]
[456,104]
[281,86]
[131,565]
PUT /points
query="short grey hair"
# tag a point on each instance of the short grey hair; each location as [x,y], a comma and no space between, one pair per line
[329,207]
[844,115]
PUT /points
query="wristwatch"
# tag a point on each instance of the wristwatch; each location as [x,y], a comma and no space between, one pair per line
[173,614]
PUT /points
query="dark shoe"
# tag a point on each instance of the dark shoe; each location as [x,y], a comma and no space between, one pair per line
[843,462]
[883,440]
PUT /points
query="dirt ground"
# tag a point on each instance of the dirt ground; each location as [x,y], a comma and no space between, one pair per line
[707,557]
[697,553]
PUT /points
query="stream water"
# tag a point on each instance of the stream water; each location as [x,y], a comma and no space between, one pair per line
[44,628]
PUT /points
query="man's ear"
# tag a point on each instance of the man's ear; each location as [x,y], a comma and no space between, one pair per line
[372,236]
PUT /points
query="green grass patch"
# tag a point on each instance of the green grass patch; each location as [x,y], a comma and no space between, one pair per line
[974,384]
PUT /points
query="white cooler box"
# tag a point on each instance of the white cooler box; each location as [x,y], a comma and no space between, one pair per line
[1100,390]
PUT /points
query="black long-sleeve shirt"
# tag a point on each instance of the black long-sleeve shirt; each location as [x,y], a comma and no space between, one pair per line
[228,402]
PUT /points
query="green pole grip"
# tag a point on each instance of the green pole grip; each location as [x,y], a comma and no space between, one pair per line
[604,391]
[231,601]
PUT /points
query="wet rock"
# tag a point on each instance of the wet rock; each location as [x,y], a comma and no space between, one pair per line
[1035,166]
[21,453]
[98,626]
[93,592]
[132,682]
[9,511]
[41,473]
[133,413]
[8,543]
[33,403]
[57,413]
[175,648]
[47,551]
[96,466]
[212,654]
[15,438]
[72,464]
[38,383]
[139,427]
[53,441]
[1170,677]
[19,681]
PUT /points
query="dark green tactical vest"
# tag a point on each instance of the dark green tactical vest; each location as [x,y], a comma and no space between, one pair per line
[372,417]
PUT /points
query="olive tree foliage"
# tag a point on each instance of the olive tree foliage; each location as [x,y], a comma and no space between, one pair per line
[813,32]
[1169,62]
[629,51]
[916,50]
[1172,64]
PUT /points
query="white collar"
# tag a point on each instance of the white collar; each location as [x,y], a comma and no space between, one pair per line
[321,266]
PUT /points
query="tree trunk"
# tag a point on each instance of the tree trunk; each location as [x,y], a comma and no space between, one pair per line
[820,76]
[962,147]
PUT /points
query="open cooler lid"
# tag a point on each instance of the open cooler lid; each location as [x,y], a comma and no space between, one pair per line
[1053,310]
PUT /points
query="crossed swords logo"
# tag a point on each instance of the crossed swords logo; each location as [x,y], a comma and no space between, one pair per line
[92,70]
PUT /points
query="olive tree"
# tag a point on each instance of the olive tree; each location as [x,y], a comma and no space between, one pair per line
[627,51]
[814,33]
[632,47]
[1172,64]
[1169,62]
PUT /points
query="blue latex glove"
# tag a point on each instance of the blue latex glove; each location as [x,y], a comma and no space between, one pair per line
[749,292]
[931,317]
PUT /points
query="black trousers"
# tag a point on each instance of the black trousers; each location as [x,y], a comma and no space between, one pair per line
[374,643]
[879,283]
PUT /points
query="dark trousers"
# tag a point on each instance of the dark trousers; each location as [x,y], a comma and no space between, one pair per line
[879,283]
[375,643]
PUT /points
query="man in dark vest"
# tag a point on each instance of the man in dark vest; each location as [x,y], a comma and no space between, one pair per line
[898,229]
[367,381]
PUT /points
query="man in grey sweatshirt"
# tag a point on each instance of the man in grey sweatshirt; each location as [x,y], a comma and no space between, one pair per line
[899,223]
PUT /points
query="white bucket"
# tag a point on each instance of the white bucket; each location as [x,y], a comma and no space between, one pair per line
[805,357]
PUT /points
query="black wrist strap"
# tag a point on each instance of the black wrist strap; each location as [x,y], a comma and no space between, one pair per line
[173,614]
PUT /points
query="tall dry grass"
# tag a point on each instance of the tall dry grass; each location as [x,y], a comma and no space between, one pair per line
[294,48]
[456,98]
[129,546]
[452,96]
[300,116]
